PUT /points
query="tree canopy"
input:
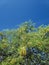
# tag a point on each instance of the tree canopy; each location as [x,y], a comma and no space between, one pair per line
[26,45]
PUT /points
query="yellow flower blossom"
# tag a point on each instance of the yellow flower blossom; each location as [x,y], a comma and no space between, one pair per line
[23,51]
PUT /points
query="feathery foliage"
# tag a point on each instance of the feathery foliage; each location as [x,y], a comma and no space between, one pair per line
[26,45]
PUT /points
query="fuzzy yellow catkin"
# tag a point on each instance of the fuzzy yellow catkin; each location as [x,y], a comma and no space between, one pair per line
[23,51]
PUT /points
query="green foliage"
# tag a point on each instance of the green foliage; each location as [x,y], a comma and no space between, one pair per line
[26,45]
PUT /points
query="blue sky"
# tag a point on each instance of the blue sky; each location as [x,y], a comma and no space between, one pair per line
[14,12]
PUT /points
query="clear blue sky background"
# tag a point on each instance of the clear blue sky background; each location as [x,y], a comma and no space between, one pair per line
[14,12]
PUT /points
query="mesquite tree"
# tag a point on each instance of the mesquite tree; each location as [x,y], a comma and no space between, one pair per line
[26,45]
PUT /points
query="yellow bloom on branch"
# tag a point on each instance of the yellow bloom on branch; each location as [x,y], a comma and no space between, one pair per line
[23,51]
